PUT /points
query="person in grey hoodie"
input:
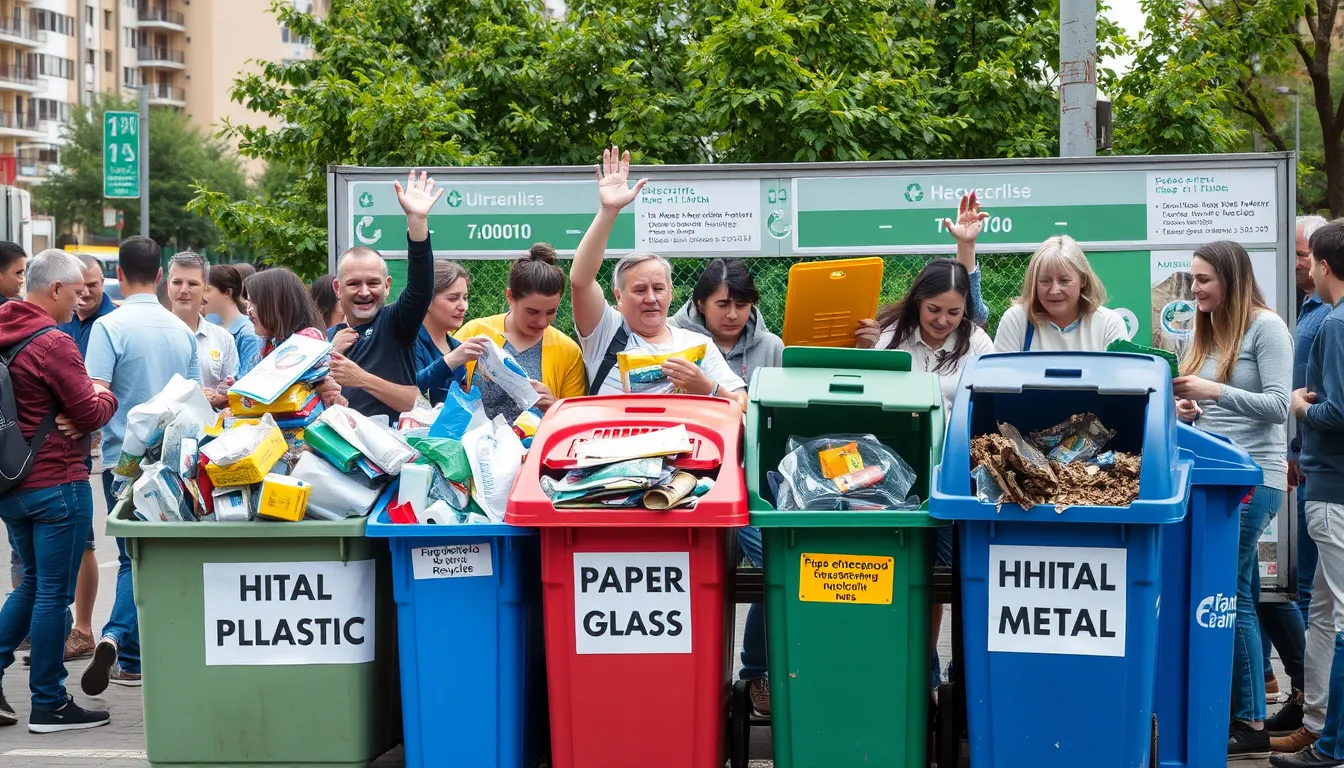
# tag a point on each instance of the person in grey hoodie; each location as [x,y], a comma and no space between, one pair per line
[723,307]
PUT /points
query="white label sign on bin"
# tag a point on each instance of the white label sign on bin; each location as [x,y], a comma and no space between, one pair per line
[452,561]
[289,613]
[632,602]
[1060,600]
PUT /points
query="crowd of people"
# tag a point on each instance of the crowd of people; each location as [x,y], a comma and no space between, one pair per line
[1242,376]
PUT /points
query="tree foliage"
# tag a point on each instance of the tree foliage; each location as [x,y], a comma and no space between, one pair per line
[180,155]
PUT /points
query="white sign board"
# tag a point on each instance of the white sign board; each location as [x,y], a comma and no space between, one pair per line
[690,216]
[1060,600]
[1197,207]
[289,613]
[452,561]
[632,602]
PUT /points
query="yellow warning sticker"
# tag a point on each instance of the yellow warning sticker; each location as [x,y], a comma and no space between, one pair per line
[845,579]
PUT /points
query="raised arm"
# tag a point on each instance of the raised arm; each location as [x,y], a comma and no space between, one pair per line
[416,199]
[965,230]
[613,194]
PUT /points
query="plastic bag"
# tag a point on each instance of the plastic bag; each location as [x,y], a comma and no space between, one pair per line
[461,412]
[383,447]
[496,455]
[844,472]
[500,367]
[1078,439]
[335,495]
[642,373]
[447,454]
[238,442]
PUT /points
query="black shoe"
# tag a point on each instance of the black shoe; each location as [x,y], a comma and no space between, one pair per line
[7,714]
[1309,757]
[1288,719]
[68,717]
[99,672]
[1246,743]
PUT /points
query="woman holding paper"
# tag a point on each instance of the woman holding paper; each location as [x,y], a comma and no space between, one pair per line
[552,361]
[280,306]
[642,284]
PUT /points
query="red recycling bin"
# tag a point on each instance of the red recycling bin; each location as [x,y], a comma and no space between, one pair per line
[636,601]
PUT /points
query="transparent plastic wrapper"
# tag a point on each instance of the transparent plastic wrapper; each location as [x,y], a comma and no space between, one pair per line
[447,454]
[848,472]
[496,455]
[642,373]
[159,496]
[185,425]
[380,444]
[335,495]
[1078,439]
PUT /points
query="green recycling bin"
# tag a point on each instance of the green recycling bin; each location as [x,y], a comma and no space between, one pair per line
[264,643]
[847,593]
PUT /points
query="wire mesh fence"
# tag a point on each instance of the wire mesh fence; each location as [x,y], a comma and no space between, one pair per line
[1000,283]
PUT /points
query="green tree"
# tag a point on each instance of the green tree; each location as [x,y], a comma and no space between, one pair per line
[180,155]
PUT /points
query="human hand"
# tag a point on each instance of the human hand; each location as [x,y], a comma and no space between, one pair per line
[67,427]
[687,376]
[346,372]
[1301,401]
[418,196]
[466,352]
[1188,410]
[1295,476]
[344,340]
[613,187]
[867,335]
[969,220]
[1195,388]
[217,399]
[330,392]
[546,399]
[99,388]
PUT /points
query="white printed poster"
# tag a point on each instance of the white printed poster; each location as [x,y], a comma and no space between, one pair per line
[1173,301]
[1058,600]
[632,602]
[1193,207]
[694,216]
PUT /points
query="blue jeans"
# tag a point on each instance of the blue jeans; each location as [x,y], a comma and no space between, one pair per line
[47,528]
[753,637]
[124,623]
[1248,658]
[1284,625]
[1331,743]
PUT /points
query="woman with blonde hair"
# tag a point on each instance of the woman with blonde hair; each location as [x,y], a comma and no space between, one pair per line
[1236,381]
[1061,307]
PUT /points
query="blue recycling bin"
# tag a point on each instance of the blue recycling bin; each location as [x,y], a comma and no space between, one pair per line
[1060,607]
[469,633]
[1199,604]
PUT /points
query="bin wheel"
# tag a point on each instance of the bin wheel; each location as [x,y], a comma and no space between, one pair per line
[739,725]
[948,730]
[1152,759]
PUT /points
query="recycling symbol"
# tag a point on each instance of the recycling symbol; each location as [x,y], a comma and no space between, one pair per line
[914,193]
[454,199]
[366,200]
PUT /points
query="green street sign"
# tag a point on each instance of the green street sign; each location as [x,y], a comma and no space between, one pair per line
[121,154]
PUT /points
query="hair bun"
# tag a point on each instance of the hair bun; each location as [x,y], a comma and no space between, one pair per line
[543,252]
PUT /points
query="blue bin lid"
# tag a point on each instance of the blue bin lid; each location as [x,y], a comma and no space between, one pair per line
[1216,459]
[380,526]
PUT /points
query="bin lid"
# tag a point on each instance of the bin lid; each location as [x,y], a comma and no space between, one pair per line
[1106,373]
[848,377]
[1216,459]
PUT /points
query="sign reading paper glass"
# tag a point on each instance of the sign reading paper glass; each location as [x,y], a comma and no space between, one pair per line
[1060,600]
[632,602]
[452,561]
[121,154]
[289,613]
[845,579]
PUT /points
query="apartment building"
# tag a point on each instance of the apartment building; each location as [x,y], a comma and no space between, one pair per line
[55,54]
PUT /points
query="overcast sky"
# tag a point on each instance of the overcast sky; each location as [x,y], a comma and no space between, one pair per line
[1127,14]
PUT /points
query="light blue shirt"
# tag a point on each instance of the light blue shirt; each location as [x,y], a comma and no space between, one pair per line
[247,341]
[136,350]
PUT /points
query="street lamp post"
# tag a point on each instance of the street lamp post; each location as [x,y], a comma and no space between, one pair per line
[1284,90]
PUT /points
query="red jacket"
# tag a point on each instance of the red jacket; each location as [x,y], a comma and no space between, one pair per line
[48,376]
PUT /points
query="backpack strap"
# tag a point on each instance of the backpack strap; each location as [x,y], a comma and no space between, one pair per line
[616,347]
[49,421]
[1026,339]
[18,346]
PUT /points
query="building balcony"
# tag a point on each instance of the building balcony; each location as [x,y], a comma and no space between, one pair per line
[18,32]
[14,77]
[163,58]
[34,171]
[21,124]
[165,95]
[162,18]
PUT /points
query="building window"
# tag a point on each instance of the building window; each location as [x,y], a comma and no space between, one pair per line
[88,14]
[53,66]
[50,21]
[130,77]
[128,37]
[91,57]
[50,110]
[107,20]
[107,61]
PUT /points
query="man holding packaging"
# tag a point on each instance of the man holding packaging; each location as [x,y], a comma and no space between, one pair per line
[135,352]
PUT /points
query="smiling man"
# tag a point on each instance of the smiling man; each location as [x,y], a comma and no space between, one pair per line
[216,353]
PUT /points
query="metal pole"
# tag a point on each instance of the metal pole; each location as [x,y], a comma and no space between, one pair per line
[1077,78]
[144,160]
[1297,125]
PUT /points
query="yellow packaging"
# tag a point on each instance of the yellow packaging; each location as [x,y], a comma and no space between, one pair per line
[527,423]
[642,373]
[253,467]
[283,498]
[841,460]
[291,401]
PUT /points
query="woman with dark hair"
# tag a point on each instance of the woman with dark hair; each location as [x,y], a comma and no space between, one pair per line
[551,359]
[328,303]
[441,359]
[224,298]
[280,307]
[723,306]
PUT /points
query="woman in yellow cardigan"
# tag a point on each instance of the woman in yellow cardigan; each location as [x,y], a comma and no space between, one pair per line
[551,359]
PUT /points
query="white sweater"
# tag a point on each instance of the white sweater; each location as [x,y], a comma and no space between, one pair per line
[1092,333]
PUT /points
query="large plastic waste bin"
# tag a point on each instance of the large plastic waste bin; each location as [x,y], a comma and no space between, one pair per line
[469,634]
[1060,606]
[635,601]
[1199,604]
[263,643]
[849,669]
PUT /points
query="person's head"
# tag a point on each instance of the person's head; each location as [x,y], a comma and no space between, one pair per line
[1306,227]
[13,262]
[937,306]
[279,304]
[138,265]
[91,296]
[55,280]
[1227,298]
[224,292]
[328,303]
[245,270]
[724,296]
[536,285]
[642,283]
[1060,286]
[451,285]
[362,283]
[188,274]
[1327,261]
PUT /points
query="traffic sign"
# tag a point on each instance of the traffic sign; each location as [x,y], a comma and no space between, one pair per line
[121,154]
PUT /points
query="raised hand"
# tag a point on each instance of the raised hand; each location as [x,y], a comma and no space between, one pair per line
[418,196]
[613,180]
[969,219]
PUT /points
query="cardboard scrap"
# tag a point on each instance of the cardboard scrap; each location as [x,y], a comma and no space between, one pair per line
[1027,477]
